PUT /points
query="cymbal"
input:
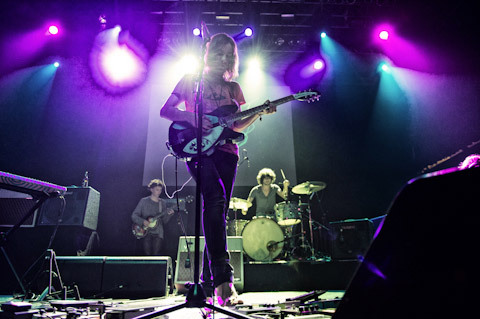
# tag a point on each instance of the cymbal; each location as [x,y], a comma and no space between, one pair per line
[308,188]
[239,203]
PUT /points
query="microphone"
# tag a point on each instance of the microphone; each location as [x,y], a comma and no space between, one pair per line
[204,31]
[187,263]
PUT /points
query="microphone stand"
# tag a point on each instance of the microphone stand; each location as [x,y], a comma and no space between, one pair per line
[196,297]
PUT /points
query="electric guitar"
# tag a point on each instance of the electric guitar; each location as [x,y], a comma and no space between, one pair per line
[182,137]
[141,231]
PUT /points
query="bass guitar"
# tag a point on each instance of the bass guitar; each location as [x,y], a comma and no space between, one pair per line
[141,231]
[182,137]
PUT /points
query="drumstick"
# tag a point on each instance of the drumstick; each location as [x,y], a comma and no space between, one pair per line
[283,174]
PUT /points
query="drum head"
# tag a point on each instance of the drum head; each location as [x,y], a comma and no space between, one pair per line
[287,214]
[262,239]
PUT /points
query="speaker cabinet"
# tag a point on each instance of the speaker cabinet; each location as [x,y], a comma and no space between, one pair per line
[422,263]
[184,274]
[86,272]
[137,277]
[350,238]
[118,277]
[81,209]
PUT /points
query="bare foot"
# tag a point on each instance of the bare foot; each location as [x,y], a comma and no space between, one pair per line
[227,295]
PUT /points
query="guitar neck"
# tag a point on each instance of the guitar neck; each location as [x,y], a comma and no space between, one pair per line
[254,110]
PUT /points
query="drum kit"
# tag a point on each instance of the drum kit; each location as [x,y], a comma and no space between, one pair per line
[266,239]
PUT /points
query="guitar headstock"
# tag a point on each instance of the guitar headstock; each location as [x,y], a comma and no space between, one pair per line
[307,96]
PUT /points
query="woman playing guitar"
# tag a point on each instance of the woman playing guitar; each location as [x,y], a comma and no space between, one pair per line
[218,168]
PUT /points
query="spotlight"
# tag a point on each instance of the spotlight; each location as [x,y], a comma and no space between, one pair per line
[102,19]
[383,32]
[196,32]
[323,35]
[53,30]
[318,64]
[383,35]
[254,63]
[56,64]
[188,64]
[384,67]
[246,33]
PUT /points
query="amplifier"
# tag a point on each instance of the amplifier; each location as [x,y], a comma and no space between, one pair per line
[184,274]
[118,277]
[350,238]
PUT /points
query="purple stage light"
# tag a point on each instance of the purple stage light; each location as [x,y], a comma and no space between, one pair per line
[248,32]
[118,61]
[318,64]
[196,32]
[383,35]
[119,64]
[53,30]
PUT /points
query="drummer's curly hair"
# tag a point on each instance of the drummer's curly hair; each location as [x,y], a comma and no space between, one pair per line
[155,182]
[264,172]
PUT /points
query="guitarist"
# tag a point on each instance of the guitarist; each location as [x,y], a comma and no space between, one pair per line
[218,169]
[151,214]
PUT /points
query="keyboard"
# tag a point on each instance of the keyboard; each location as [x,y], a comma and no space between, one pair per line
[28,185]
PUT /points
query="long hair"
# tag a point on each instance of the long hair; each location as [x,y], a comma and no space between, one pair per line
[216,44]
[264,172]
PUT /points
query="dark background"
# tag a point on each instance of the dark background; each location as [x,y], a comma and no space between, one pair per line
[79,127]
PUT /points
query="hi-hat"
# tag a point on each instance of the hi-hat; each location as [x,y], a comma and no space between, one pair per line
[308,188]
[239,203]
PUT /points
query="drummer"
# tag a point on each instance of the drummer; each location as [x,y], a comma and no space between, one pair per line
[265,193]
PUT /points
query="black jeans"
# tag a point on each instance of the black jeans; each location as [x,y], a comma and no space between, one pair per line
[218,175]
[152,245]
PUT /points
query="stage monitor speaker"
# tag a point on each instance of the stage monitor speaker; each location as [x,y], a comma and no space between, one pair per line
[185,262]
[422,263]
[84,271]
[350,238]
[81,209]
[137,277]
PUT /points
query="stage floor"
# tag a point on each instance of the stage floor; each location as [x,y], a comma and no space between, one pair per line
[273,304]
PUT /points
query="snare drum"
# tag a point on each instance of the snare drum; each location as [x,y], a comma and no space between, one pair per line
[262,239]
[287,213]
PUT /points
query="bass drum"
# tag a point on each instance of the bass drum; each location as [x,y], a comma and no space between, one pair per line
[262,239]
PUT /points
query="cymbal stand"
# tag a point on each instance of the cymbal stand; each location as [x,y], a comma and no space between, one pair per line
[312,251]
[303,240]
[319,225]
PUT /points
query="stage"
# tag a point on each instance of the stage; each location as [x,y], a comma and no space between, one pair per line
[272,304]
[136,285]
